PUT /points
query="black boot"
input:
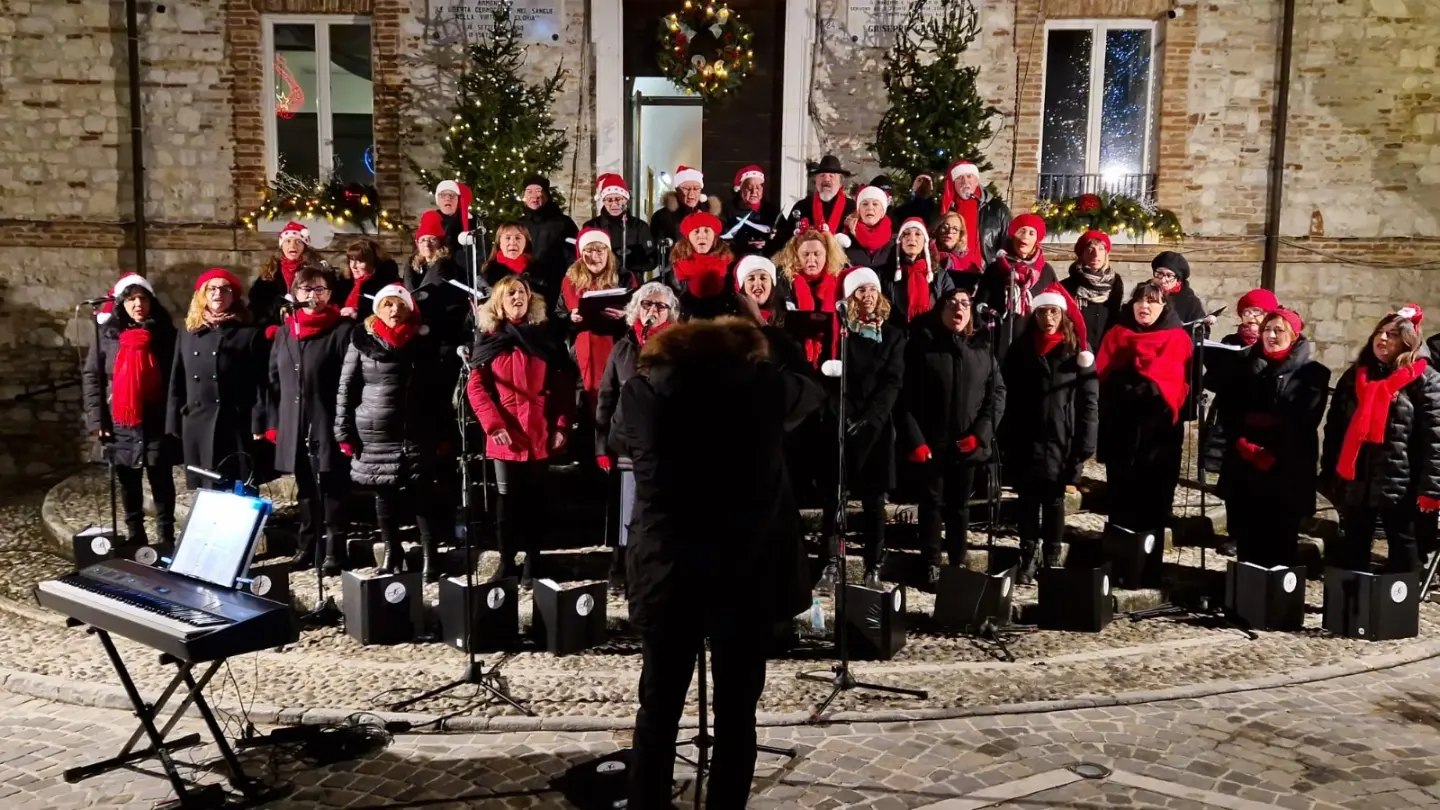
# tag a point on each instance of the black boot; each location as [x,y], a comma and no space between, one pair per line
[1028,563]
[304,553]
[135,531]
[527,573]
[429,563]
[394,560]
[617,571]
[334,555]
[505,538]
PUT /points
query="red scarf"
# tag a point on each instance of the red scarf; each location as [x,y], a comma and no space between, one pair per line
[817,295]
[917,290]
[1372,410]
[1024,273]
[872,239]
[517,265]
[1159,356]
[136,381]
[1276,357]
[1046,343]
[288,268]
[352,299]
[305,324]
[703,274]
[398,336]
[642,335]
[969,210]
[832,223]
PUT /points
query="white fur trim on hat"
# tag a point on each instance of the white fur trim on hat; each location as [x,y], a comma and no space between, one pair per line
[962,169]
[591,236]
[843,239]
[302,233]
[688,175]
[446,185]
[857,278]
[128,281]
[395,291]
[831,368]
[750,174]
[875,192]
[754,264]
[1049,299]
[911,224]
[611,184]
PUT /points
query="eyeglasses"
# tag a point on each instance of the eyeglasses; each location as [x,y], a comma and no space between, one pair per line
[948,229]
[655,306]
[957,302]
[220,288]
[1164,275]
[314,290]
[598,250]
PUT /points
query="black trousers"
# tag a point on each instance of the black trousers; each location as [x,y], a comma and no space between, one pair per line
[394,503]
[330,497]
[1263,534]
[1141,493]
[520,507]
[946,488]
[737,666]
[132,500]
[1357,527]
[1042,515]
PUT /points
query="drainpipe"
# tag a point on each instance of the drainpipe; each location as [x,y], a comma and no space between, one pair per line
[1277,150]
[137,131]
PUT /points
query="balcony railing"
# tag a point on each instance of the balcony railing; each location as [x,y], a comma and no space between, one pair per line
[1061,186]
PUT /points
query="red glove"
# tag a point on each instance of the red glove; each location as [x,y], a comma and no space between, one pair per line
[1428,504]
[270,332]
[921,454]
[604,463]
[348,449]
[270,435]
[968,445]
[1254,455]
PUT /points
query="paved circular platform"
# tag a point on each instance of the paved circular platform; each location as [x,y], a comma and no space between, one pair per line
[327,673]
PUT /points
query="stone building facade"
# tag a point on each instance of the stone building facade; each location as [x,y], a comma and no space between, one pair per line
[1360,223]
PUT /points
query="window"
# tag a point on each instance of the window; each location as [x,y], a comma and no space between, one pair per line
[319,98]
[1098,129]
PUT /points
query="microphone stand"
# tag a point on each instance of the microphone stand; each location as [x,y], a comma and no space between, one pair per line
[624,241]
[840,676]
[107,443]
[325,613]
[475,673]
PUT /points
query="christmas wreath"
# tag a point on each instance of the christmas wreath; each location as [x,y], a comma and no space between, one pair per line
[1112,214]
[705,49]
[291,197]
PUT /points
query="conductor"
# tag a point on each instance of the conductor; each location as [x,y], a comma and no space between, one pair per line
[714,549]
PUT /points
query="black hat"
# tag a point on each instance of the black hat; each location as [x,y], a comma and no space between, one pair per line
[1174,262]
[828,165]
[536,180]
[883,182]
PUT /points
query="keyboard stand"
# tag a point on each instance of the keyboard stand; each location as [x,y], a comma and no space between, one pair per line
[187,795]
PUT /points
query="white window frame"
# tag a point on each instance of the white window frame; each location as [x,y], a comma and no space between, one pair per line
[1098,29]
[325,126]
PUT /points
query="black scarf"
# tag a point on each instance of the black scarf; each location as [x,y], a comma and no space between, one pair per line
[535,340]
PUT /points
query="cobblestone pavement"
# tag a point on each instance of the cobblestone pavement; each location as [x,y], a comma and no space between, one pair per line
[1363,741]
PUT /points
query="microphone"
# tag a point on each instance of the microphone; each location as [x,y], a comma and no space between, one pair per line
[463,352]
[645,329]
[95,302]
[983,310]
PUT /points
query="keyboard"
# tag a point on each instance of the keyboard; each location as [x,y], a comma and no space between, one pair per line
[185,618]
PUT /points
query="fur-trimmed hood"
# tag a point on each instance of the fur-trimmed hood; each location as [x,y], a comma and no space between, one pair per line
[490,313]
[727,342]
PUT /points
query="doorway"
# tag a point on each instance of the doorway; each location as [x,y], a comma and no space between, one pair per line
[666,130]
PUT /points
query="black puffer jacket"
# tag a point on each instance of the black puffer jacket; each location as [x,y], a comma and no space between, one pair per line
[618,371]
[550,253]
[1403,467]
[631,240]
[145,445]
[389,409]
[1277,406]
[953,389]
[1052,415]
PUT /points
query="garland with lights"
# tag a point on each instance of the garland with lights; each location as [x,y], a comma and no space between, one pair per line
[291,197]
[1112,214]
[705,49]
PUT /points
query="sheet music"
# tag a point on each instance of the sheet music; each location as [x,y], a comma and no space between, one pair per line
[219,537]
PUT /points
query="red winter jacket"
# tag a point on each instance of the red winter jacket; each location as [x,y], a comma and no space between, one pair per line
[519,392]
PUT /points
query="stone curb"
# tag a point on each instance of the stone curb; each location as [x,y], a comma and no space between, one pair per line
[106,696]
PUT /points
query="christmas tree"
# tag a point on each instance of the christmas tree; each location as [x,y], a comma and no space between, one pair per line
[936,115]
[502,129]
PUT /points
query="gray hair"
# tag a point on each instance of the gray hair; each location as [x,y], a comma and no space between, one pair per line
[653,288]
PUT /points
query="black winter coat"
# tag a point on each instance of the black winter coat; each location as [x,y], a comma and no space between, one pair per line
[953,389]
[994,292]
[389,406]
[146,445]
[745,240]
[715,536]
[881,261]
[631,240]
[994,217]
[1404,466]
[304,387]
[265,298]
[898,292]
[1098,315]
[446,312]
[618,371]
[875,375]
[1052,416]
[665,224]
[1137,426]
[1186,305]
[1277,406]
[704,308]
[216,402]
[550,253]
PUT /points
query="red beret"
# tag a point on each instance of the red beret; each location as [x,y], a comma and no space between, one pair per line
[700,219]
[1260,299]
[1099,236]
[1033,220]
[222,274]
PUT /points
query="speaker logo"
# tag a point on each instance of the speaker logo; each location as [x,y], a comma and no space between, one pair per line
[395,593]
[495,598]
[585,604]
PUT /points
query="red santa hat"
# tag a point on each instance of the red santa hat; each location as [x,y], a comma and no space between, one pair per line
[856,277]
[1412,313]
[117,294]
[748,173]
[294,230]
[222,274]
[951,195]
[610,184]
[751,264]
[685,174]
[918,224]
[431,224]
[1056,296]
[1260,299]
[466,197]
[589,236]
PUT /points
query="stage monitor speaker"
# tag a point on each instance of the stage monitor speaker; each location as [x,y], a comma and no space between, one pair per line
[494,613]
[1135,557]
[875,622]
[95,544]
[270,581]
[1075,598]
[568,620]
[382,608]
[598,784]
[1265,598]
[967,600]
[1371,606]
